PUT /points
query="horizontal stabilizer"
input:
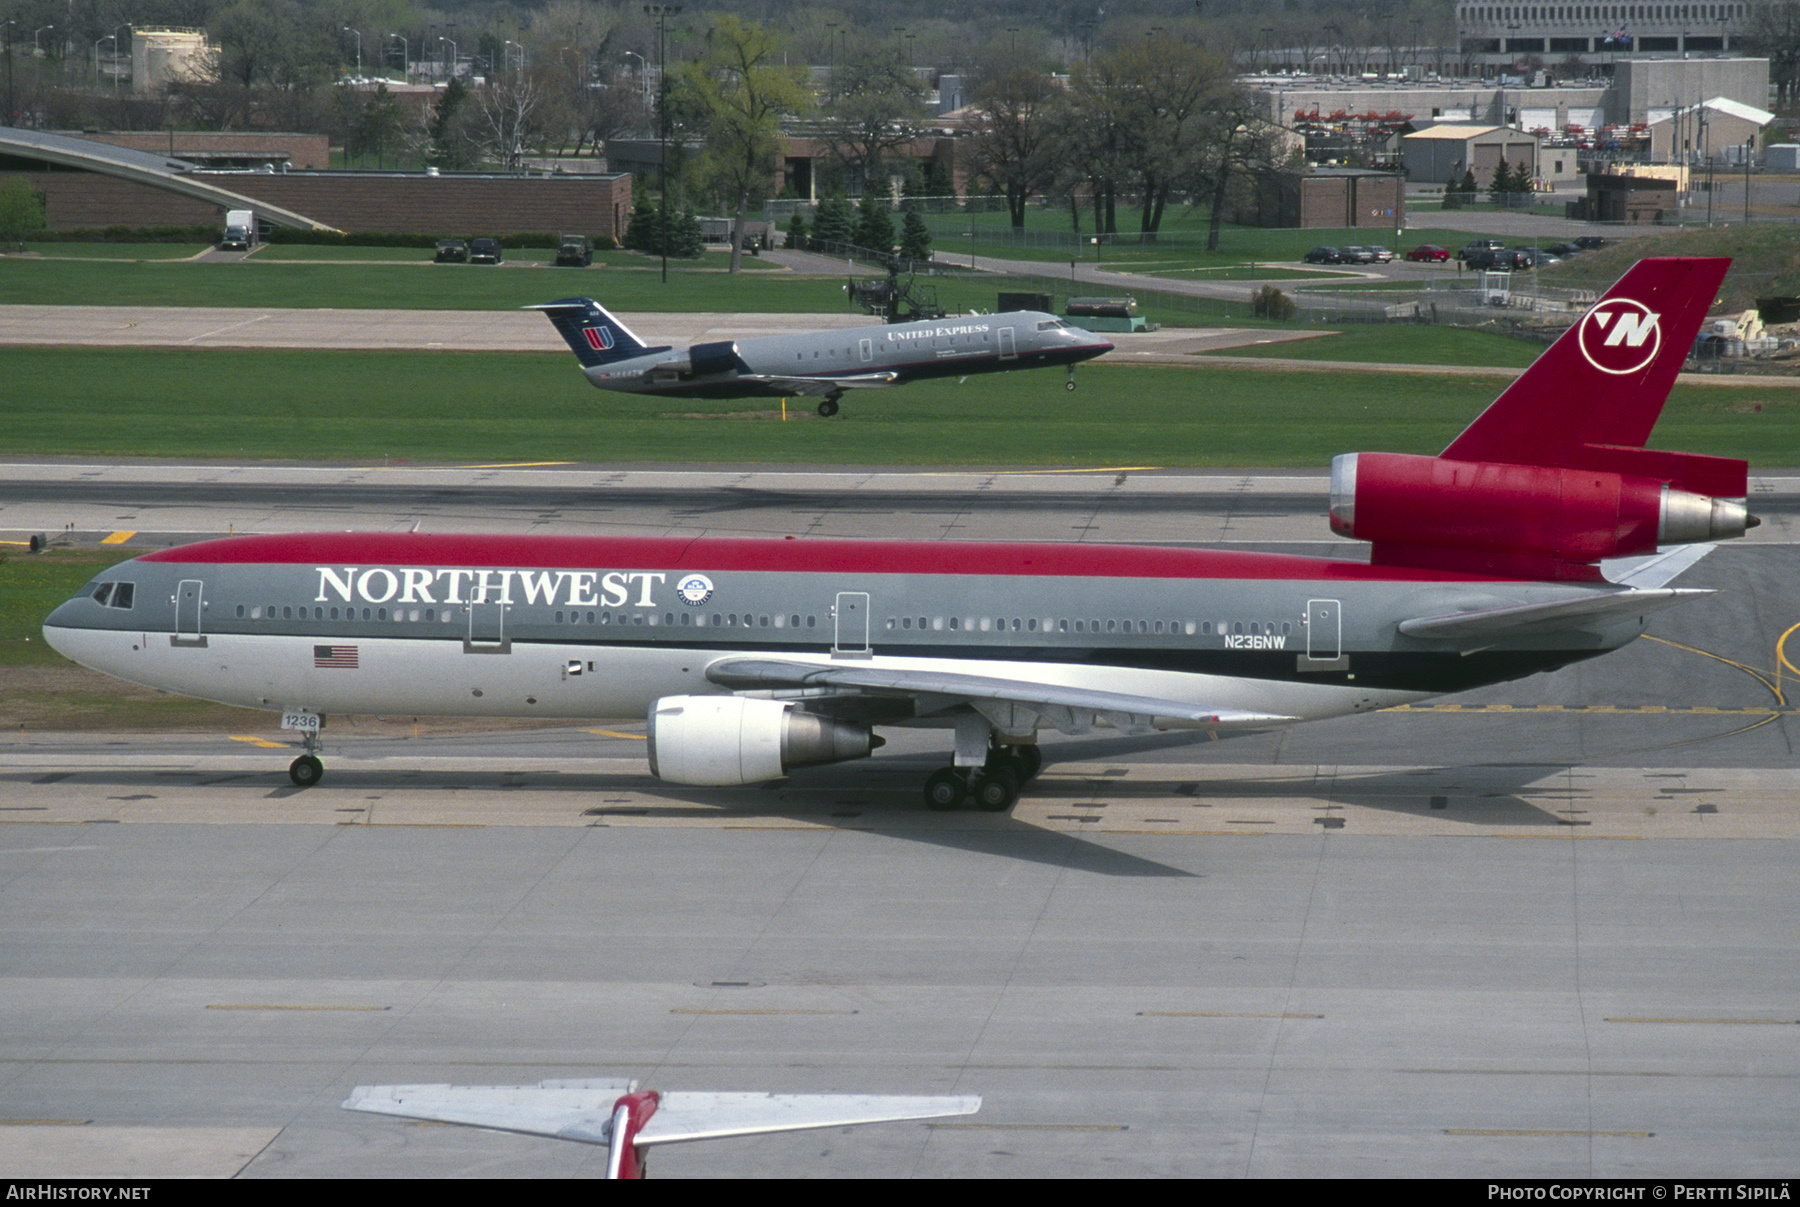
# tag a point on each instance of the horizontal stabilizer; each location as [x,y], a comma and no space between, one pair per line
[564,1110]
[1569,613]
[696,1115]
[758,673]
[583,1110]
[1654,569]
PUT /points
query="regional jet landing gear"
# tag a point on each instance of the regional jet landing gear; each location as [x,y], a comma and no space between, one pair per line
[1070,384]
[829,406]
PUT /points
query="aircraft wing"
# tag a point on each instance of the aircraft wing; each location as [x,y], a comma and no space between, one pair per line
[1063,706]
[584,1110]
[820,385]
[1554,614]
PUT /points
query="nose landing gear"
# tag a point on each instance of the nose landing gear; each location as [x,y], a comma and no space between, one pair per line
[307,770]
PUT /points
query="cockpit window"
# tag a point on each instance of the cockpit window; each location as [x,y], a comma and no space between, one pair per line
[114,595]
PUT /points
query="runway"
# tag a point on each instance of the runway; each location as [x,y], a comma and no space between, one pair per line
[1541,930]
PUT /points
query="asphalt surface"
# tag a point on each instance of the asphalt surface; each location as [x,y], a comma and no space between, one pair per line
[1540,930]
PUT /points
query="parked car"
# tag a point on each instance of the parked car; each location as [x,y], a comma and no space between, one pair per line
[484,251]
[1382,255]
[1564,250]
[1428,253]
[575,251]
[1591,242]
[1358,255]
[451,251]
[1323,255]
[1485,257]
[1478,245]
[1531,257]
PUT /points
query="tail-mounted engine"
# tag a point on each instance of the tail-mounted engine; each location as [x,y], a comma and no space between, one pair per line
[719,740]
[1530,520]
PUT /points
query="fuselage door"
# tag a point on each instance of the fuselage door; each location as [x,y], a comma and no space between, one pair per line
[1008,349]
[852,616]
[1324,629]
[487,629]
[190,604]
[868,350]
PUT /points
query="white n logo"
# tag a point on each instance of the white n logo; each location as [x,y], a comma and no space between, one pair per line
[1631,329]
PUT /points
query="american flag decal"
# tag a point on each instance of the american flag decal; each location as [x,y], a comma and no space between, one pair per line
[334,657]
[598,338]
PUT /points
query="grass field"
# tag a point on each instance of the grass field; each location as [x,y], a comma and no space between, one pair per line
[375,406]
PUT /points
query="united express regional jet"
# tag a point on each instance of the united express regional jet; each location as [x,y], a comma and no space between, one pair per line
[818,363]
[1537,539]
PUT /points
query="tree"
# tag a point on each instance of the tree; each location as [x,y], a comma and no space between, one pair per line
[915,237]
[739,90]
[874,225]
[1503,185]
[1015,147]
[21,210]
[452,142]
[873,107]
[833,222]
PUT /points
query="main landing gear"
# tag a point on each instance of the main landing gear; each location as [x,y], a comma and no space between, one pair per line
[307,770]
[992,787]
[829,406]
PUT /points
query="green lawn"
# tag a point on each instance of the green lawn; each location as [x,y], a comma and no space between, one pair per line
[357,406]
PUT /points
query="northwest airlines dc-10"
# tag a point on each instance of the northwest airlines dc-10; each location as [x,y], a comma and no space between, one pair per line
[818,363]
[1538,538]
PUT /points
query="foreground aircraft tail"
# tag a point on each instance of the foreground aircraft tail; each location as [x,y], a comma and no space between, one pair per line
[629,1120]
[592,332]
[1554,477]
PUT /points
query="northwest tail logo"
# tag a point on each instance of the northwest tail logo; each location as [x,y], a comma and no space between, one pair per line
[600,339]
[1620,336]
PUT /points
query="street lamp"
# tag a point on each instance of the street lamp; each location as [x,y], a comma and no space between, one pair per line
[405,53]
[97,41]
[506,53]
[35,51]
[643,76]
[358,33]
[452,56]
[127,28]
[662,13]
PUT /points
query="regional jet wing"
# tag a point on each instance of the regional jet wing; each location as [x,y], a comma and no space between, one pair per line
[820,385]
[1570,613]
[584,1110]
[1057,703]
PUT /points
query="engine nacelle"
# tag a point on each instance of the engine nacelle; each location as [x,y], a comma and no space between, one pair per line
[1412,505]
[719,740]
[706,360]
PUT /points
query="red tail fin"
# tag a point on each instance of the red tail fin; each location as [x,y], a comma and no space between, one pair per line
[1592,399]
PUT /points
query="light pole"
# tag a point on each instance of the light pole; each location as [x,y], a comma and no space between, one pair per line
[643,77]
[662,13]
[97,41]
[452,56]
[127,28]
[358,33]
[506,53]
[405,53]
[35,51]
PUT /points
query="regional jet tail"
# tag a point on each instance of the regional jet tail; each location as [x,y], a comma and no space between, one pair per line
[824,364]
[1536,540]
[629,1121]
